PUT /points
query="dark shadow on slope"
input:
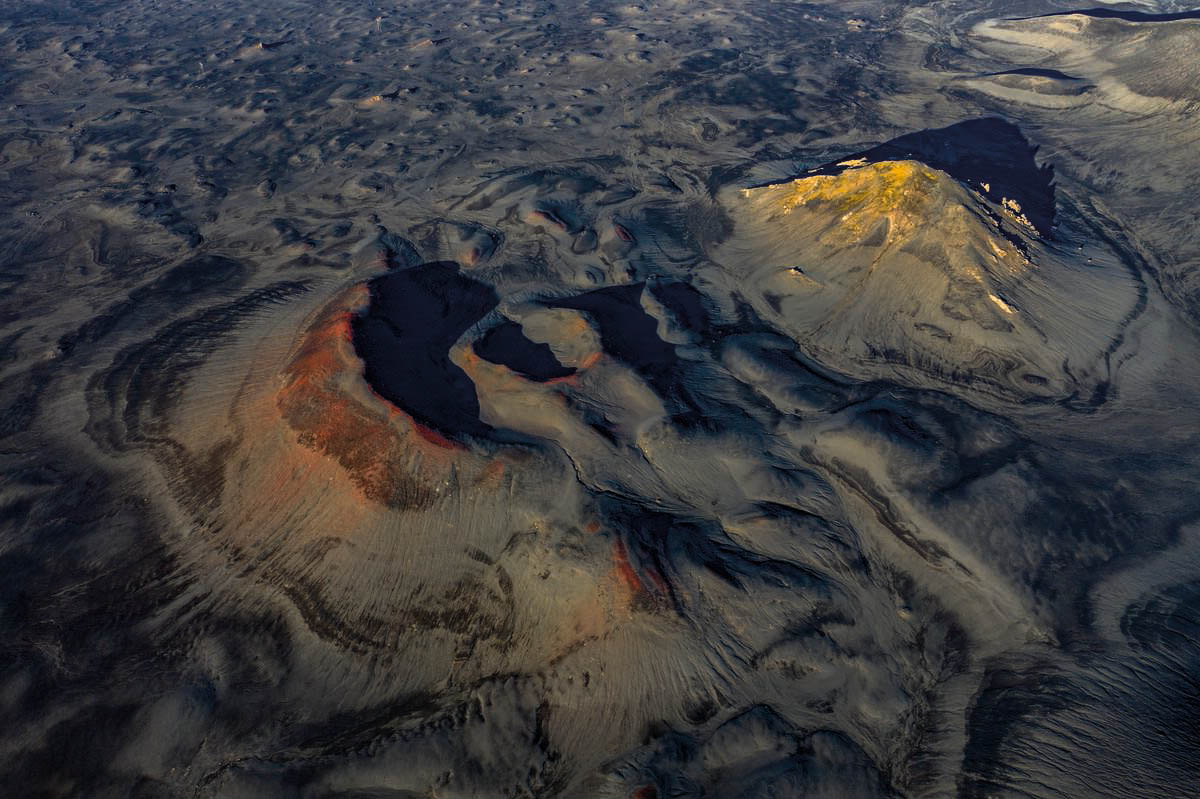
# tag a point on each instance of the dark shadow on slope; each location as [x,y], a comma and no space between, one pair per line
[991,152]
[630,334]
[404,339]
[988,152]
[1128,16]
[1038,72]
[507,345]
[686,303]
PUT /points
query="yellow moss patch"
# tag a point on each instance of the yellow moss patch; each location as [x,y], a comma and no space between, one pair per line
[899,191]
[883,188]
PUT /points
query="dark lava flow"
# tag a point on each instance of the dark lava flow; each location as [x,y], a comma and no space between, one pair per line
[404,339]
[507,345]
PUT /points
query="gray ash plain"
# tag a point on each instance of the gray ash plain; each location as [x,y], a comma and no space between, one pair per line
[587,399]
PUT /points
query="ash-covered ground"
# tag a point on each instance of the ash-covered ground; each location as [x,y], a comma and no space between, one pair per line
[586,399]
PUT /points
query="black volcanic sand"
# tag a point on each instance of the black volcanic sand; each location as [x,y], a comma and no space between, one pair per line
[404,338]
